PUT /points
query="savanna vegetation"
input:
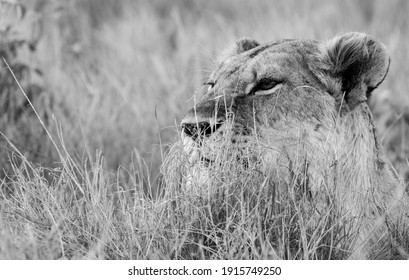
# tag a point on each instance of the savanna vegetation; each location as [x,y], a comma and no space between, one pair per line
[91,96]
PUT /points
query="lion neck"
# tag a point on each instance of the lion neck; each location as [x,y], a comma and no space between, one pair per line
[360,157]
[362,165]
[345,153]
[356,170]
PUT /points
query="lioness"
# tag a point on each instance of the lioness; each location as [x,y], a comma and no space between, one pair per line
[300,107]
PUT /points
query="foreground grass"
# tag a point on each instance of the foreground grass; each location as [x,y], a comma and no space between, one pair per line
[80,211]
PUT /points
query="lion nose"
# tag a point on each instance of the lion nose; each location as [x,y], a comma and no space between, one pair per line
[199,129]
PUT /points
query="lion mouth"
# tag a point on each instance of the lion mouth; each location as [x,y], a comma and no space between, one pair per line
[210,155]
[206,161]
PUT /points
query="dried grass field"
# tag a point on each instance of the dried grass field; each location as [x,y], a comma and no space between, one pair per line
[92,93]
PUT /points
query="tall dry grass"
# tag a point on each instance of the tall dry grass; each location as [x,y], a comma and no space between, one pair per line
[112,80]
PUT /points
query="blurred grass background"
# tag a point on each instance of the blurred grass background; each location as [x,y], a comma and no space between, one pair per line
[117,76]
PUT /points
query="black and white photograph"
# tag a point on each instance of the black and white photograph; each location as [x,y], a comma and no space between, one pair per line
[183,130]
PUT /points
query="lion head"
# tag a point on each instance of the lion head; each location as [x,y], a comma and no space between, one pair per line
[296,106]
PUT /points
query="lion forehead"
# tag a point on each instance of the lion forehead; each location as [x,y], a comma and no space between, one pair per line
[285,58]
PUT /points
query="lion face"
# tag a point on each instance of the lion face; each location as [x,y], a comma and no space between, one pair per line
[287,103]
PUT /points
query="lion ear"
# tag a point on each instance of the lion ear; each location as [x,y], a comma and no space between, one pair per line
[358,61]
[238,47]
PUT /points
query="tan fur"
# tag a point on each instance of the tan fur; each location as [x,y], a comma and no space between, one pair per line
[318,118]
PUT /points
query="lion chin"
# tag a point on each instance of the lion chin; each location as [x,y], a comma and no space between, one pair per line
[208,158]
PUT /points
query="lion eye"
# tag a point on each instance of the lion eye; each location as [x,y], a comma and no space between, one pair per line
[266,86]
[209,85]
